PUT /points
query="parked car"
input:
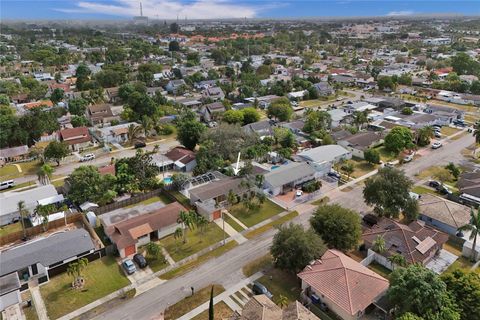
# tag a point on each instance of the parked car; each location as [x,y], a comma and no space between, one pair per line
[434,183]
[334,174]
[408,158]
[129,266]
[87,157]
[299,193]
[140,144]
[436,145]
[389,164]
[140,260]
[370,219]
[7,184]
[438,134]
[259,288]
[443,189]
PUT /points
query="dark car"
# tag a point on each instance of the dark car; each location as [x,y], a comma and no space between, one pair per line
[259,288]
[140,260]
[334,174]
[370,219]
[434,184]
[140,144]
[443,189]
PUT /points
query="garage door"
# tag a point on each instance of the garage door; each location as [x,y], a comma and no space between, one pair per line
[129,250]
[217,215]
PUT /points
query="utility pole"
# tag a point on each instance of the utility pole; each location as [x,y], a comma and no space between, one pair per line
[223,218]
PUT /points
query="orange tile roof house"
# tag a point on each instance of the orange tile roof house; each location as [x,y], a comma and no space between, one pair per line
[347,287]
[184,159]
[131,233]
[76,138]
[416,242]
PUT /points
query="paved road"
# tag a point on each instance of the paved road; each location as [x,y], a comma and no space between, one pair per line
[226,269]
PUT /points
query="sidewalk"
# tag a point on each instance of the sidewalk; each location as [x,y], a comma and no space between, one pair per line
[230,231]
[38,303]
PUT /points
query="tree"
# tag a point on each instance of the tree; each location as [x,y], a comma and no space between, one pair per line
[23,212]
[174,28]
[360,118]
[464,286]
[372,156]
[454,170]
[409,316]
[339,227]
[77,106]
[57,95]
[75,269]
[250,115]
[233,116]
[407,111]
[293,247]
[379,244]
[397,259]
[211,311]
[178,234]
[135,133]
[56,151]
[79,121]
[188,220]
[82,74]
[388,191]
[348,169]
[173,46]
[474,228]
[44,174]
[420,291]
[319,120]
[189,131]
[280,109]
[282,301]
[398,139]
[424,135]
[86,184]
[153,250]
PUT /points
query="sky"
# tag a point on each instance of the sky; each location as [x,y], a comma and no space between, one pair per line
[217,9]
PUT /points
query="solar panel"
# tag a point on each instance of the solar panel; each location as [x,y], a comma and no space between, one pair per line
[425,245]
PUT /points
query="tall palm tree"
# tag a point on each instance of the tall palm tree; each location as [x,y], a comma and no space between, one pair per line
[134,133]
[202,223]
[379,244]
[22,210]
[177,235]
[188,221]
[44,174]
[476,134]
[146,125]
[360,118]
[474,228]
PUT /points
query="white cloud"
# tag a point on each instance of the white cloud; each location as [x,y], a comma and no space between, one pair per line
[400,13]
[169,9]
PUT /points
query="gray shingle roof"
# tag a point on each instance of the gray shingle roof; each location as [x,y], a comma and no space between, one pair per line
[288,173]
[9,200]
[324,153]
[47,251]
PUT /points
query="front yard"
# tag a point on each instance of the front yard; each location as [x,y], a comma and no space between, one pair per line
[102,277]
[250,218]
[283,283]
[196,241]
[220,311]
[385,155]
[11,171]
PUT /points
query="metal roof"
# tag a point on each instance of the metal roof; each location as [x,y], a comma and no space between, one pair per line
[288,173]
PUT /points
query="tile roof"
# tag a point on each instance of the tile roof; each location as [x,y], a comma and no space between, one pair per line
[347,283]
[443,210]
[181,154]
[217,188]
[75,135]
[404,240]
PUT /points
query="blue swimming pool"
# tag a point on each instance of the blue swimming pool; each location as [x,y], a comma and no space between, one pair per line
[275,167]
[167,180]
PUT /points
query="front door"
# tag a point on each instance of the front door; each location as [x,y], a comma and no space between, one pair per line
[34,269]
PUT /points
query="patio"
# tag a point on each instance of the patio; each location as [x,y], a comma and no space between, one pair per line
[442,261]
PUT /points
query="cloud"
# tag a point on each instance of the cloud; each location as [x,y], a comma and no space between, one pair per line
[169,9]
[400,13]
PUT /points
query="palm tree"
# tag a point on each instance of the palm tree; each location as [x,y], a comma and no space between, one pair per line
[231,198]
[44,174]
[379,244]
[177,235]
[202,223]
[134,133]
[22,210]
[397,259]
[476,134]
[360,118]
[75,270]
[188,220]
[474,228]
[282,301]
[153,250]
[146,125]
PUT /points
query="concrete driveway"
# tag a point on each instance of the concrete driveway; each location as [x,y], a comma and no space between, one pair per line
[442,261]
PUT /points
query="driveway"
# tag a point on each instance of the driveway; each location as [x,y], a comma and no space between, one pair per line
[442,261]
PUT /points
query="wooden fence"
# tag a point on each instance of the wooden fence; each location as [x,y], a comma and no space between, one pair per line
[33,231]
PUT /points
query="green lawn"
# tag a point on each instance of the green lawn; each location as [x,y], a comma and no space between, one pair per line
[361,167]
[448,131]
[10,228]
[102,276]
[422,190]
[385,155]
[232,223]
[21,185]
[196,241]
[10,171]
[379,269]
[273,224]
[283,283]
[162,198]
[462,263]
[220,311]
[250,218]
[261,264]
[191,302]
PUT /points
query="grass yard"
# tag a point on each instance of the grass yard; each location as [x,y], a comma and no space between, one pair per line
[250,218]
[462,263]
[102,276]
[162,198]
[321,201]
[31,184]
[432,171]
[379,269]
[29,312]
[196,241]
[280,282]
[448,131]
[315,102]
[184,201]
[459,136]
[273,224]
[385,155]
[106,306]
[453,247]
[232,223]
[189,266]
[261,264]
[10,171]
[10,228]
[422,190]
[361,167]
[220,311]
[191,302]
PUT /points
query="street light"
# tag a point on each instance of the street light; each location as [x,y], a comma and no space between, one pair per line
[223,218]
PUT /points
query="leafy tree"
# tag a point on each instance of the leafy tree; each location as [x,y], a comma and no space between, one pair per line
[317,120]
[44,174]
[348,169]
[420,291]
[409,316]
[280,109]
[474,228]
[462,63]
[233,116]
[360,118]
[75,269]
[386,83]
[398,139]
[407,111]
[293,247]
[82,74]
[23,212]
[397,259]
[250,115]
[188,221]
[79,121]
[77,106]
[56,151]
[454,170]
[86,184]
[388,192]
[372,156]
[137,173]
[379,244]
[424,135]
[57,95]
[284,137]
[339,227]
[153,250]
[464,286]
[174,46]
[189,131]
[405,79]
[174,28]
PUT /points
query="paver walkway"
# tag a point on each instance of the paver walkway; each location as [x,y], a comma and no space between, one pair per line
[13,313]
[38,303]
[230,231]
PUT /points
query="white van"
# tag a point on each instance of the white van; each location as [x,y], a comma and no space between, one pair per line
[7,184]
[87,157]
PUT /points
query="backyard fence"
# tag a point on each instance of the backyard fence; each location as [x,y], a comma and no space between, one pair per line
[126,202]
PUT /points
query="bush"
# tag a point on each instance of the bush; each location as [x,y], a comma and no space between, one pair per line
[312,186]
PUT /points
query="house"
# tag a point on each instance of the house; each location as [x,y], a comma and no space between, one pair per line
[297,95]
[13,154]
[338,116]
[209,198]
[469,186]
[100,114]
[263,101]
[359,107]
[417,243]
[347,287]
[9,201]
[9,291]
[263,128]
[128,235]
[343,79]
[358,143]
[213,93]
[174,85]
[288,177]
[183,159]
[77,138]
[322,158]
[111,94]
[260,307]
[113,134]
[323,89]
[443,214]
[444,115]
[46,257]
[211,111]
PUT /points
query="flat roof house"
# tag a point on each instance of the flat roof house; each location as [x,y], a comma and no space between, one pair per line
[288,177]
[322,158]
[347,287]
[77,138]
[132,233]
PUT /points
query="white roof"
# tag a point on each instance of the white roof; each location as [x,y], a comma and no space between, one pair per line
[326,153]
[9,200]
[37,220]
[50,200]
